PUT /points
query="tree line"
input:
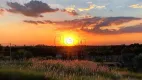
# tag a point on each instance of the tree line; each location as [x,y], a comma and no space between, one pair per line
[131,53]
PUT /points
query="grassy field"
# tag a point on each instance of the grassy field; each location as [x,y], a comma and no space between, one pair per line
[35,69]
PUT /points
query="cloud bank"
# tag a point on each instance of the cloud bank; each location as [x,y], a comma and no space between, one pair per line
[99,25]
[32,9]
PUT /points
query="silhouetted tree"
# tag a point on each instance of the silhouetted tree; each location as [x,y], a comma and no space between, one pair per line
[137,61]
[21,54]
[1,47]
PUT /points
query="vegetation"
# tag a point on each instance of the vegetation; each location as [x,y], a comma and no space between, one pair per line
[71,63]
[43,50]
[14,74]
[137,61]
[35,69]
[21,54]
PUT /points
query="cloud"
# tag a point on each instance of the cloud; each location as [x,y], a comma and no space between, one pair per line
[99,25]
[137,28]
[85,16]
[31,22]
[91,6]
[1,11]
[136,6]
[87,9]
[32,9]
[70,10]
[113,25]
[123,25]
[38,22]
[72,13]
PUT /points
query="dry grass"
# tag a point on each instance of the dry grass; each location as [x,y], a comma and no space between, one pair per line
[63,70]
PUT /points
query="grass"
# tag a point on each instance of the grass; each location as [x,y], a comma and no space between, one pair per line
[14,74]
[61,70]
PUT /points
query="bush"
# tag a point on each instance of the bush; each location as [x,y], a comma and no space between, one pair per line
[137,61]
[6,74]
[21,54]
[99,59]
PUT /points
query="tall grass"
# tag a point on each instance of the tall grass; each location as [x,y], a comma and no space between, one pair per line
[15,74]
[35,69]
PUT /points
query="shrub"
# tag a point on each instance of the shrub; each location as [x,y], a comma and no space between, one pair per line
[11,74]
[21,54]
[137,61]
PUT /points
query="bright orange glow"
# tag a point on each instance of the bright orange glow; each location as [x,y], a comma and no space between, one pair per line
[69,40]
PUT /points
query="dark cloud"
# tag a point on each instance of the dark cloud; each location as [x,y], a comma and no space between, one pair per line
[114,25]
[32,9]
[71,12]
[31,22]
[137,28]
[38,22]
[108,25]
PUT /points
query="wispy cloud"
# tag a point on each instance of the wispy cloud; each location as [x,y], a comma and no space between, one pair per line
[91,6]
[39,22]
[87,9]
[70,10]
[32,9]
[136,6]
[85,16]
[116,27]
[72,13]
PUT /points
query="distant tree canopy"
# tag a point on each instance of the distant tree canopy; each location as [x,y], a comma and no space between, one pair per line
[43,50]
[129,55]
[21,54]
[0,47]
[138,61]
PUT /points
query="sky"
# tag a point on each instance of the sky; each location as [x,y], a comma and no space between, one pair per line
[94,22]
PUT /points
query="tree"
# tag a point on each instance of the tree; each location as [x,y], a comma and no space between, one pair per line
[1,47]
[137,61]
[21,54]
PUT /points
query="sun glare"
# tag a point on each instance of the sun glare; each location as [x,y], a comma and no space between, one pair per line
[69,40]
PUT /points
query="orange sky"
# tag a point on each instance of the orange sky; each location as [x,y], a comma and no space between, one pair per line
[93,30]
[23,33]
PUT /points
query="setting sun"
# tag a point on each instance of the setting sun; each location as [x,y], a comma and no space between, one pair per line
[69,39]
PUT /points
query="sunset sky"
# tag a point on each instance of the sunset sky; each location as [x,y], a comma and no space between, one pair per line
[93,22]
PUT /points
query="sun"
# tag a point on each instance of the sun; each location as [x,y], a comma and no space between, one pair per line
[69,39]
